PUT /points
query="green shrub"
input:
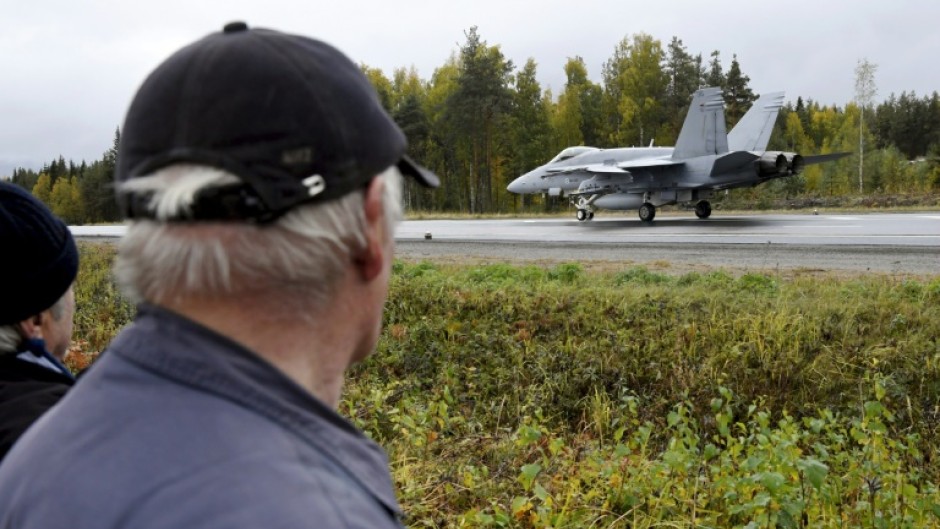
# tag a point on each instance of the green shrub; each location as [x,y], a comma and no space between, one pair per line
[531,397]
[566,272]
[642,276]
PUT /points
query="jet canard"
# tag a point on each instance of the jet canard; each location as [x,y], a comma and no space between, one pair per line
[705,159]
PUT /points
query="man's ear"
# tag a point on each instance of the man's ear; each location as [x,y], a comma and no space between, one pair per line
[32,326]
[372,258]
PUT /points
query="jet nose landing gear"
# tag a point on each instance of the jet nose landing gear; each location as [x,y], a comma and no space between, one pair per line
[584,214]
[585,207]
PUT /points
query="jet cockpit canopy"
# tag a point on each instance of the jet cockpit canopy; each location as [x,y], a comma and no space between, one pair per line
[571,152]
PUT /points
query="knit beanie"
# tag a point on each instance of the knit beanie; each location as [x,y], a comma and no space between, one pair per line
[38,258]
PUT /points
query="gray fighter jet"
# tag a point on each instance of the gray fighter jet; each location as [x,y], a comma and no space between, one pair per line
[705,159]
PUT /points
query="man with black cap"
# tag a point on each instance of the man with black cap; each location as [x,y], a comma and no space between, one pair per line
[39,266]
[262,180]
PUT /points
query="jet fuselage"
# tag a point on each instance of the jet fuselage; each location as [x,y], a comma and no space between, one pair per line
[705,159]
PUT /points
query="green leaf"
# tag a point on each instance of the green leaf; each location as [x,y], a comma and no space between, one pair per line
[716,405]
[527,476]
[771,480]
[520,504]
[761,500]
[540,492]
[672,418]
[618,435]
[814,471]
[528,435]
[710,452]
[873,409]
[483,518]
[675,459]
[786,521]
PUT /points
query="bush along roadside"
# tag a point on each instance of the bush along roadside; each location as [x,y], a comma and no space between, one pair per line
[524,396]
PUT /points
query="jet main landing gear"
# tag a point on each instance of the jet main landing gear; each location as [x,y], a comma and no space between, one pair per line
[703,209]
[647,212]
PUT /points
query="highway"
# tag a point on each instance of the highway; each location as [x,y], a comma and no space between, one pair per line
[888,243]
[907,243]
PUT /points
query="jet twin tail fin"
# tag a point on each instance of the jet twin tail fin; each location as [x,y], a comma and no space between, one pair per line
[703,132]
[752,133]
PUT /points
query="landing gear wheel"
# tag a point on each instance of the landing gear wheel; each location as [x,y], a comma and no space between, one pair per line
[590,215]
[703,209]
[647,212]
[582,215]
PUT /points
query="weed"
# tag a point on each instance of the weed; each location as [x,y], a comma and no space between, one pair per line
[530,397]
[642,276]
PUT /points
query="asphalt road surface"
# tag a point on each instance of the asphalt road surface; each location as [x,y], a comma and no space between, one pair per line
[893,243]
[906,243]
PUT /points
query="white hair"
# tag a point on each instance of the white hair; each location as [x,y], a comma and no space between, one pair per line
[10,336]
[10,339]
[295,261]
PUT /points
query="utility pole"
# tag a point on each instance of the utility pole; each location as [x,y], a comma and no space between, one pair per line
[865,90]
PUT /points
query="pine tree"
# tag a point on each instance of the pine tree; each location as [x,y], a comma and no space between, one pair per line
[532,131]
[686,75]
[738,95]
[96,186]
[476,110]
[714,76]
[409,95]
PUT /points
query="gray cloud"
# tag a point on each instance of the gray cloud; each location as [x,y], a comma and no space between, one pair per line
[70,68]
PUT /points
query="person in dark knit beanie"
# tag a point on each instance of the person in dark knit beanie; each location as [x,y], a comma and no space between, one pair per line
[36,308]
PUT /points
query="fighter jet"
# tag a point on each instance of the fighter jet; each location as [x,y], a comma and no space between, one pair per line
[705,159]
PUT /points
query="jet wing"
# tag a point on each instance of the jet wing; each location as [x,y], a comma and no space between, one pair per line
[592,168]
[615,168]
[821,158]
[654,162]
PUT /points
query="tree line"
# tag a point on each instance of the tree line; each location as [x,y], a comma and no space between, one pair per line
[479,122]
[78,193]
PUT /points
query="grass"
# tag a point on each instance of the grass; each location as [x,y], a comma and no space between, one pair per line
[550,396]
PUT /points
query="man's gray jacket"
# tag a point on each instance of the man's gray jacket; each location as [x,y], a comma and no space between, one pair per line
[176,426]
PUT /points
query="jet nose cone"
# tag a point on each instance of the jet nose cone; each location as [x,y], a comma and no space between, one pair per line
[525,183]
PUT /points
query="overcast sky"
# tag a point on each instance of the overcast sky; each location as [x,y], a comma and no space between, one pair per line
[70,67]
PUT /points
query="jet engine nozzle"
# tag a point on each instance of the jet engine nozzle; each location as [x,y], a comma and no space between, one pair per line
[795,163]
[772,164]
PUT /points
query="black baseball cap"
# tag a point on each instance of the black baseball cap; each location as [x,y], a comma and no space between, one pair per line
[292,117]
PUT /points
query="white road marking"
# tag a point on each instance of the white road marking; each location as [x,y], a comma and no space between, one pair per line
[767,235]
[801,226]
